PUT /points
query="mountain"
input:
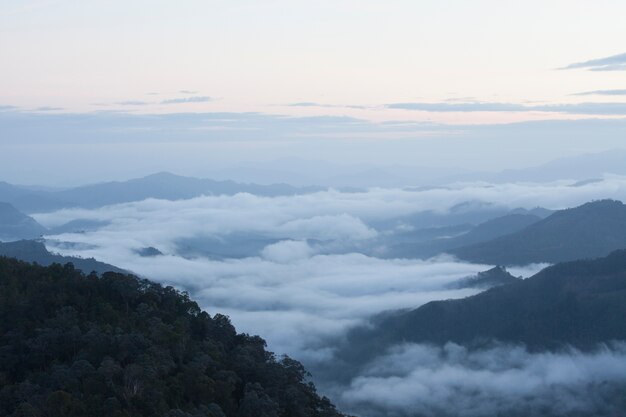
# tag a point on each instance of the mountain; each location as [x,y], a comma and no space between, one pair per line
[579,167]
[29,200]
[73,345]
[168,187]
[35,251]
[466,213]
[592,230]
[161,186]
[418,247]
[580,303]
[16,225]
[493,277]
[78,226]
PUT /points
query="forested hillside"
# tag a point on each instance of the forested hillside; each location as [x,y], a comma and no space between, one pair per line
[35,251]
[579,304]
[75,345]
[588,231]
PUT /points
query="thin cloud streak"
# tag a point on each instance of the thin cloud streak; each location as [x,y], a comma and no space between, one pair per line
[614,109]
[182,100]
[611,63]
[602,93]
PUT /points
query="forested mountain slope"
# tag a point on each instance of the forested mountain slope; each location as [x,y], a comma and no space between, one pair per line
[592,230]
[73,345]
[579,303]
[35,251]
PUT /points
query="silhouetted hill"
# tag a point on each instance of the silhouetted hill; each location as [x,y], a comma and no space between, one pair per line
[16,225]
[490,229]
[28,200]
[78,226]
[148,252]
[493,277]
[468,212]
[579,167]
[162,186]
[83,346]
[169,187]
[35,251]
[580,303]
[592,230]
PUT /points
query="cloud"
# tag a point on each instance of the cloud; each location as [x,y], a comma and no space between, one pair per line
[48,108]
[7,108]
[602,93]
[321,105]
[307,104]
[584,108]
[133,103]
[195,99]
[611,63]
[120,133]
[287,251]
[301,280]
[188,92]
[502,380]
[299,276]
[459,107]
[576,108]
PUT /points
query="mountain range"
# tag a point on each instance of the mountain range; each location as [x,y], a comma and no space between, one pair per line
[425,243]
[16,225]
[161,186]
[34,251]
[580,303]
[592,230]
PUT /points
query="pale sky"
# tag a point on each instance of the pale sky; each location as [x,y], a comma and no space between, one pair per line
[453,63]
[264,54]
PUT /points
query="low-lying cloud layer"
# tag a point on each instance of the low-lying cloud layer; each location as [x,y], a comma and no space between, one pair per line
[299,302]
[421,380]
[300,279]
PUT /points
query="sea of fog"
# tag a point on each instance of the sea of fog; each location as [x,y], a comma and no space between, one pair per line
[296,270]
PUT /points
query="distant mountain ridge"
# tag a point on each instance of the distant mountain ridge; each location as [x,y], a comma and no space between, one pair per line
[483,232]
[34,251]
[592,230]
[579,303]
[162,185]
[15,225]
[578,167]
[498,275]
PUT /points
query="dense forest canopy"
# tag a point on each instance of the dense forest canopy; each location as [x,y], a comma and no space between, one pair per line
[77,345]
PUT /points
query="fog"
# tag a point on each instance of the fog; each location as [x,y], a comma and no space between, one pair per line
[424,380]
[301,271]
[305,277]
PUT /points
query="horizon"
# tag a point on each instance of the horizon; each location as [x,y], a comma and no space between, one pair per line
[185,88]
[284,208]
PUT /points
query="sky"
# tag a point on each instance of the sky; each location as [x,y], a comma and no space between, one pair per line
[329,80]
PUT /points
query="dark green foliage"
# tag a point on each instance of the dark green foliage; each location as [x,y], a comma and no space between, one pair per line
[73,345]
[580,304]
[591,230]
